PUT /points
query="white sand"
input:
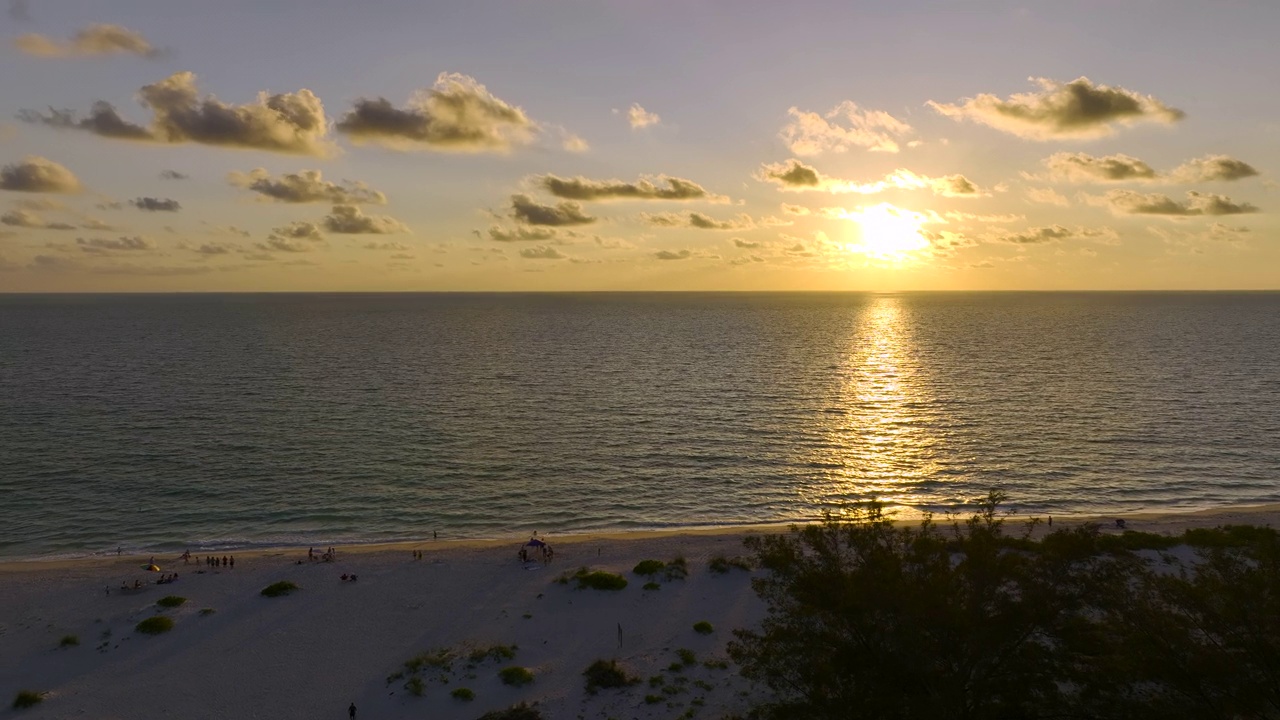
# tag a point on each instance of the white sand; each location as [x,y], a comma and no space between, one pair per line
[312,653]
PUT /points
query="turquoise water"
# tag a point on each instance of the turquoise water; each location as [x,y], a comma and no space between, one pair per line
[217,421]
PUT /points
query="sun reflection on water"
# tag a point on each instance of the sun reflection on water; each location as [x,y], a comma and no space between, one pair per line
[875,430]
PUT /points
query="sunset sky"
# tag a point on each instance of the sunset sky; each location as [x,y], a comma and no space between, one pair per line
[526,145]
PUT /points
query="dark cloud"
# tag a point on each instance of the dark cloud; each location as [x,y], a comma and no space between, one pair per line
[1037,235]
[98,39]
[291,123]
[151,204]
[1062,110]
[28,219]
[98,245]
[955,186]
[351,220]
[542,252]
[792,174]
[524,209]
[1134,203]
[1213,168]
[173,175]
[580,188]
[214,248]
[673,254]
[795,209]
[520,234]
[305,187]
[699,221]
[393,246]
[746,244]
[457,113]
[1082,167]
[37,174]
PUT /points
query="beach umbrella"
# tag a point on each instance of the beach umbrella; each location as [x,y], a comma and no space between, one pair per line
[153,568]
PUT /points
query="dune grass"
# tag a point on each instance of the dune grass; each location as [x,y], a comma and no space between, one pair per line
[586,578]
[277,589]
[721,564]
[155,625]
[464,694]
[606,674]
[515,675]
[69,641]
[702,627]
[27,698]
[515,712]
[170,601]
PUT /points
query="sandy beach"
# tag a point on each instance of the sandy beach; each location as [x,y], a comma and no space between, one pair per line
[233,653]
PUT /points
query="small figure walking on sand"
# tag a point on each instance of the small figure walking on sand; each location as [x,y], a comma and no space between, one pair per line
[1050,521]
[351,711]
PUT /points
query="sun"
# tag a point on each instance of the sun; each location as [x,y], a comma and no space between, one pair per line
[887,232]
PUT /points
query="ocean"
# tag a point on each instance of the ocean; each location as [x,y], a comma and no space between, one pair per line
[163,422]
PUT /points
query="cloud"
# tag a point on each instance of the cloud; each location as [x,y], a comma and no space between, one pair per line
[351,220]
[151,204]
[1077,109]
[542,252]
[795,176]
[745,244]
[673,254]
[524,209]
[1082,167]
[640,118]
[173,175]
[841,128]
[520,233]
[291,123]
[306,186]
[215,248]
[130,244]
[1047,196]
[1036,235]
[698,220]
[97,39]
[572,143]
[39,175]
[1128,202]
[388,245]
[581,188]
[456,114]
[96,224]
[795,209]
[1212,168]
[28,219]
[296,237]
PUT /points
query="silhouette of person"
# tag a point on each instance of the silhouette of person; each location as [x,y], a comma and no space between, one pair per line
[351,711]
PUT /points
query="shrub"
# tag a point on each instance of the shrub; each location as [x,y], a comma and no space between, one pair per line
[651,585]
[69,641]
[652,699]
[677,569]
[721,564]
[515,712]
[170,601]
[687,656]
[284,587]
[155,625]
[415,686]
[606,674]
[702,627]
[496,653]
[441,659]
[515,675]
[463,694]
[27,698]
[648,567]
[207,611]
[595,579]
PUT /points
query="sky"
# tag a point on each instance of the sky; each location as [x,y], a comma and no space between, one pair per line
[395,145]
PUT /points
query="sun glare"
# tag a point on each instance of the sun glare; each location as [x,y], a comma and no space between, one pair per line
[887,232]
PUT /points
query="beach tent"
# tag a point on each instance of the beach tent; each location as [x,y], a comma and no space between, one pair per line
[534,542]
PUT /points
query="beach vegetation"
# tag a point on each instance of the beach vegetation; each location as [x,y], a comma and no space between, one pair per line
[155,625]
[26,699]
[656,681]
[687,656]
[648,567]
[676,667]
[441,659]
[415,685]
[515,675]
[702,627]
[606,674]
[205,612]
[653,699]
[497,653]
[586,578]
[69,641]
[170,601]
[716,664]
[515,712]
[721,564]
[866,619]
[677,569]
[464,694]
[277,589]
[651,585]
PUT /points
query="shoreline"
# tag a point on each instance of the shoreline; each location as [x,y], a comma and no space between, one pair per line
[1163,522]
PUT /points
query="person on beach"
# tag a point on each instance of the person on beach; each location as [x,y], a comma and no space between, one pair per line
[351,711]
[233,562]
